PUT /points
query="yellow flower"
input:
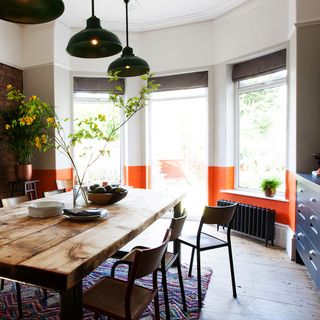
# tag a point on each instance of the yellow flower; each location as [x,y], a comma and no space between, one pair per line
[9,86]
[22,121]
[33,98]
[44,139]
[7,127]
[28,120]
[50,120]
[101,117]
[37,142]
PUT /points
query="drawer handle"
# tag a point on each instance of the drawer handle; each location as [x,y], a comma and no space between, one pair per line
[313,199]
[312,253]
[300,205]
[313,218]
[300,235]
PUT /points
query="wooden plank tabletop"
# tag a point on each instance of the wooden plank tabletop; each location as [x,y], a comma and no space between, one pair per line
[57,252]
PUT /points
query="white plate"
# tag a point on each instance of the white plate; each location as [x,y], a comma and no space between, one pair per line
[45,209]
[103,213]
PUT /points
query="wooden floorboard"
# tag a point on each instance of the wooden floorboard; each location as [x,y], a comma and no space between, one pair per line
[269,285]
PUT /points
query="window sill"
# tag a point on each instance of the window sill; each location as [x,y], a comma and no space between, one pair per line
[254,195]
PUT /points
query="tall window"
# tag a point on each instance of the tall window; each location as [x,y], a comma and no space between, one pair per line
[262,105]
[178,143]
[107,168]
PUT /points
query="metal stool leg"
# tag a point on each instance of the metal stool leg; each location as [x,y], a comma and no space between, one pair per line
[191,262]
[165,292]
[45,294]
[199,279]
[20,313]
[183,296]
[234,289]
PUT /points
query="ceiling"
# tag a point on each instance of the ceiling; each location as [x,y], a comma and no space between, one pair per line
[146,14]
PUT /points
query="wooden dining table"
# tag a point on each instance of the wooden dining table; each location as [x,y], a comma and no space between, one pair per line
[57,253]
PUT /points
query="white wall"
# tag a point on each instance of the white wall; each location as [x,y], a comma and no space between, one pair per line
[182,47]
[62,35]
[38,44]
[11,47]
[135,130]
[253,30]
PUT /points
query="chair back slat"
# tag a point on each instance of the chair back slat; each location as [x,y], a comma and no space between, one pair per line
[53,192]
[219,215]
[147,261]
[176,226]
[14,200]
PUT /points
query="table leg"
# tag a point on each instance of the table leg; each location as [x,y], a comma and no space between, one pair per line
[71,303]
[177,212]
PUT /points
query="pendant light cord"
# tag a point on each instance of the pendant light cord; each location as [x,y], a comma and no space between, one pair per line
[127,28]
[92,7]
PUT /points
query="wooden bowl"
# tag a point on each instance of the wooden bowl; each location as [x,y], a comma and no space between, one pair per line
[106,198]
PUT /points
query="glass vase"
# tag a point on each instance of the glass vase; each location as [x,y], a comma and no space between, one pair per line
[80,196]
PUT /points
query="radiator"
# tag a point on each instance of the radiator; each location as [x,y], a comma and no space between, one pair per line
[254,221]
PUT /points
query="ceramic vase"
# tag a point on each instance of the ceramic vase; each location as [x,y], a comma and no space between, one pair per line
[23,172]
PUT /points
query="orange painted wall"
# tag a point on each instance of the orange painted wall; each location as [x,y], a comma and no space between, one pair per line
[47,178]
[222,178]
[137,176]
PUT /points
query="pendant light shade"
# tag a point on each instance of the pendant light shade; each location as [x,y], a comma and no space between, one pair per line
[94,41]
[30,11]
[128,65]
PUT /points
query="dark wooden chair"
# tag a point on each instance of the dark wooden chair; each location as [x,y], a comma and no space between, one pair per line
[53,192]
[203,241]
[168,260]
[120,299]
[7,202]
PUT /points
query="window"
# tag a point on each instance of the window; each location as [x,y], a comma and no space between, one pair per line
[261,134]
[107,168]
[180,117]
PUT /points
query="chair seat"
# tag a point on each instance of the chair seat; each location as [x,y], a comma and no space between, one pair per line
[169,258]
[205,242]
[107,296]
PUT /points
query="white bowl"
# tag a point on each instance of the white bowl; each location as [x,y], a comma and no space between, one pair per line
[45,209]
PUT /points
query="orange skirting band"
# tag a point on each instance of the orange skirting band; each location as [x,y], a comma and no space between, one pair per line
[47,178]
[137,176]
[222,178]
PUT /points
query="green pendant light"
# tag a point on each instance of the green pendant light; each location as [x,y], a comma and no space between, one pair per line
[94,41]
[128,65]
[30,11]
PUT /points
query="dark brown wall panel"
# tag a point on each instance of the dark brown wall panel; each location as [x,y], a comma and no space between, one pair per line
[8,75]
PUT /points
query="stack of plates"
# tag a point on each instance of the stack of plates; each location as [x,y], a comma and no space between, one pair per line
[45,209]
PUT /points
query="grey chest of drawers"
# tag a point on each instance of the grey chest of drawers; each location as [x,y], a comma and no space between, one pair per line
[308,224]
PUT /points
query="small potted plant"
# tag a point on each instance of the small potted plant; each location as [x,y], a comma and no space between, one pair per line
[269,186]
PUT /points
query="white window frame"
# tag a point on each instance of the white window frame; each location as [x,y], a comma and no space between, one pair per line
[239,90]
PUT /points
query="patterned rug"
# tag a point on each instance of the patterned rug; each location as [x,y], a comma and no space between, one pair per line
[35,307]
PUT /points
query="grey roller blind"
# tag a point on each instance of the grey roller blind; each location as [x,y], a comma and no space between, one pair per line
[263,65]
[182,81]
[96,85]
